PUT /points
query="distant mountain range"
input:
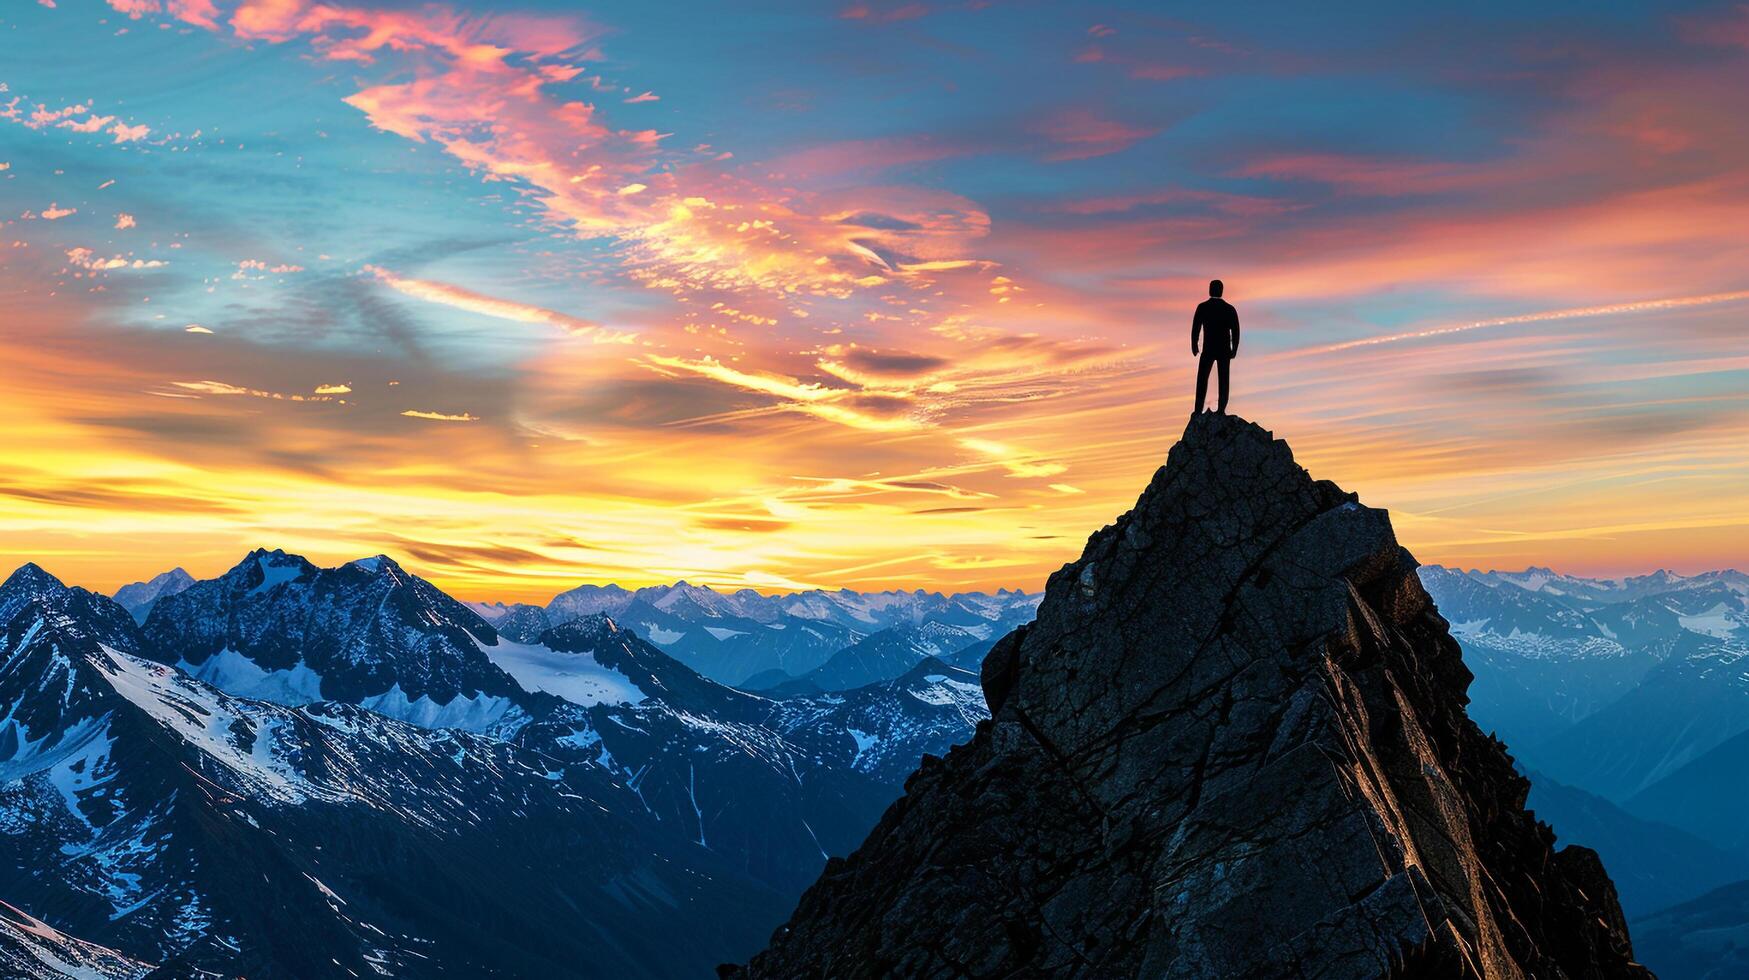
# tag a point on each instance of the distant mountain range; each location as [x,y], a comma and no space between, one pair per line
[294,771]
[354,736]
[1628,701]
[747,638]
[139,598]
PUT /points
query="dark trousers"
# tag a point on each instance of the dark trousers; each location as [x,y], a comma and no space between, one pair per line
[1202,380]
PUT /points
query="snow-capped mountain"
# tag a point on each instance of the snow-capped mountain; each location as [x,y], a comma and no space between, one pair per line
[1630,700]
[289,722]
[149,812]
[1551,650]
[731,648]
[587,600]
[139,597]
[732,637]
[888,654]
[708,761]
[519,621]
[102,617]
[883,729]
[368,632]
[317,735]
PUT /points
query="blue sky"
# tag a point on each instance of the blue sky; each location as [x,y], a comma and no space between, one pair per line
[871,294]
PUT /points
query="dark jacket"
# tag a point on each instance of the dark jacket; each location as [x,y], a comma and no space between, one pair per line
[1218,324]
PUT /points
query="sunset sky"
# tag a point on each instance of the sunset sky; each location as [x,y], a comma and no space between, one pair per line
[530,293]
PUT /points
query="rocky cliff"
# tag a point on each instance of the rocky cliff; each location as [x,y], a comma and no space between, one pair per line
[1233,744]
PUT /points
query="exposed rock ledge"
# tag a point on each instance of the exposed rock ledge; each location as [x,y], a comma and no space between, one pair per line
[1232,745]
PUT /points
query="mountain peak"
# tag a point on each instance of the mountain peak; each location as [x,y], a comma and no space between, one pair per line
[138,598]
[1233,743]
[375,563]
[30,578]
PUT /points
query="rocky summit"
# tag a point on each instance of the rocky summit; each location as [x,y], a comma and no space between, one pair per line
[1233,744]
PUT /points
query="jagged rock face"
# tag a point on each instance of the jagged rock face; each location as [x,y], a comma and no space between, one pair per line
[1233,744]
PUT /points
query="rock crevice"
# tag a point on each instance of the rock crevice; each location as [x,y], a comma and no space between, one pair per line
[1233,744]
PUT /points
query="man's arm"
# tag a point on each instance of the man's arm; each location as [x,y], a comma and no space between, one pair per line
[1235,332]
[1195,328]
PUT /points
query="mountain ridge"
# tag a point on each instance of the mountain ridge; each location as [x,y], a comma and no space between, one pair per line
[1233,743]
[148,809]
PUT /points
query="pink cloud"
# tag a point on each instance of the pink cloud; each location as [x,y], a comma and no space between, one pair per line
[43,116]
[87,259]
[1233,204]
[247,266]
[201,13]
[644,97]
[90,124]
[1082,133]
[124,221]
[67,117]
[55,212]
[1161,72]
[1728,29]
[128,134]
[879,153]
[485,89]
[1372,175]
[884,13]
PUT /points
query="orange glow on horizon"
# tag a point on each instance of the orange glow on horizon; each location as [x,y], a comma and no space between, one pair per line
[466,297]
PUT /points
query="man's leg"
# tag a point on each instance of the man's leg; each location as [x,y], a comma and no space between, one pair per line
[1202,383]
[1223,402]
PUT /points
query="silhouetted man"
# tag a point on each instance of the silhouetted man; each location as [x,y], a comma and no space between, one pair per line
[1217,324]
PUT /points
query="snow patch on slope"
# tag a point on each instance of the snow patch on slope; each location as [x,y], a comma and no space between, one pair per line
[474,714]
[272,574]
[660,636]
[1716,622]
[214,724]
[576,677]
[235,674]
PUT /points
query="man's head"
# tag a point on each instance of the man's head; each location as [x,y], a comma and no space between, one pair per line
[1215,287]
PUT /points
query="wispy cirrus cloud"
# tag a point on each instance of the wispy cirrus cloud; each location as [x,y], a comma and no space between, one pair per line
[446,294]
[1078,134]
[1372,175]
[441,416]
